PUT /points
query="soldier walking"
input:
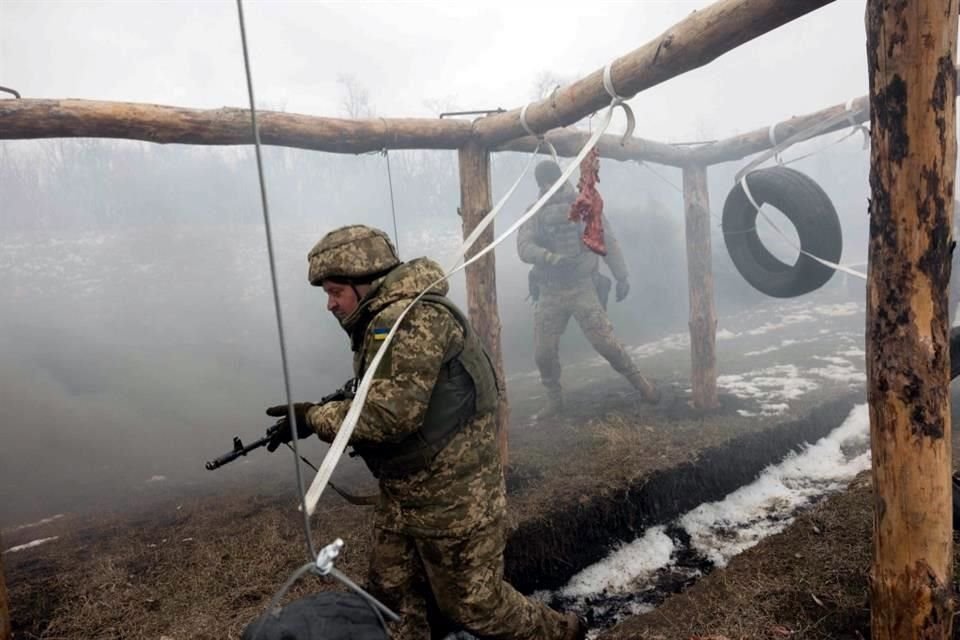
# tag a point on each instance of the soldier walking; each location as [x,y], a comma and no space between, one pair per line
[565,281]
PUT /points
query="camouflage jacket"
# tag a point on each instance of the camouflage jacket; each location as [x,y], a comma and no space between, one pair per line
[463,488]
[552,231]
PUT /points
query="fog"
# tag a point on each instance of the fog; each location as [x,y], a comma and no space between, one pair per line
[139,335]
[138,332]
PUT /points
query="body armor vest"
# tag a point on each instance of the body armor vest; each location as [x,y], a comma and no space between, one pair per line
[466,387]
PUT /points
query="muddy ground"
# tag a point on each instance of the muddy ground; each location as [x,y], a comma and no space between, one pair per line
[181,566]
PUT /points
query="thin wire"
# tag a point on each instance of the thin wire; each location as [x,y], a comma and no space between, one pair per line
[659,175]
[273,279]
[393,206]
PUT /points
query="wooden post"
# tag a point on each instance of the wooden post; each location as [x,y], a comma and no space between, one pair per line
[6,630]
[703,314]
[910,55]
[475,202]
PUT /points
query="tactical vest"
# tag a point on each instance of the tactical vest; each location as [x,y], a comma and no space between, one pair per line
[466,387]
[558,234]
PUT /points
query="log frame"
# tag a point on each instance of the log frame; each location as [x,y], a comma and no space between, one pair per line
[476,201]
[703,314]
[911,49]
[693,42]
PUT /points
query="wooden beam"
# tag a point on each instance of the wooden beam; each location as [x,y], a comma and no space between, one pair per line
[568,143]
[747,144]
[911,49]
[163,124]
[703,313]
[691,43]
[23,119]
[476,200]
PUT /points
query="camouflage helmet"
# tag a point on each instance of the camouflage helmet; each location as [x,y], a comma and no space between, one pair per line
[355,253]
[547,172]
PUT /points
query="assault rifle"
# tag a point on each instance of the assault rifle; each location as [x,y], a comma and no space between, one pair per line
[239,449]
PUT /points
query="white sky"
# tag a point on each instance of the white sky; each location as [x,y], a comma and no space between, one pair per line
[465,54]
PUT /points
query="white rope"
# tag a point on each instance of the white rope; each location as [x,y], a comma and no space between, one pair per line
[618,100]
[273,276]
[523,122]
[608,83]
[789,241]
[772,135]
[541,140]
[856,125]
[800,136]
[346,429]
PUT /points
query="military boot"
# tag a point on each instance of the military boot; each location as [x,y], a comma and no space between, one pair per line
[649,392]
[553,405]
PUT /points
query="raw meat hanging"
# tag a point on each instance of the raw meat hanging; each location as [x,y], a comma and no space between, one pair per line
[588,207]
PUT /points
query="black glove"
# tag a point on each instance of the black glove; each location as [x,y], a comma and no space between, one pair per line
[623,288]
[282,435]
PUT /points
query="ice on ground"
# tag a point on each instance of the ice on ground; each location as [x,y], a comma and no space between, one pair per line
[30,545]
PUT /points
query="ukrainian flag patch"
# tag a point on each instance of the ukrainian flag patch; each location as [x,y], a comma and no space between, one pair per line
[380,334]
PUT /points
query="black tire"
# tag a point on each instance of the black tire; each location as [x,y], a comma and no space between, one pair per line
[326,616]
[956,501]
[806,205]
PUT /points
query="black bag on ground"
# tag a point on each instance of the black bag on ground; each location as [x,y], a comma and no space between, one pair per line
[330,615]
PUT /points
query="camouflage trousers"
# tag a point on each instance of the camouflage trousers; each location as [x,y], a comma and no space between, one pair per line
[455,584]
[551,317]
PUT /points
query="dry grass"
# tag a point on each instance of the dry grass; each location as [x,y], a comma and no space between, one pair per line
[202,569]
[205,567]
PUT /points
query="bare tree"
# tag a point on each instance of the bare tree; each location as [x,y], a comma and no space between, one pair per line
[355,99]
[545,83]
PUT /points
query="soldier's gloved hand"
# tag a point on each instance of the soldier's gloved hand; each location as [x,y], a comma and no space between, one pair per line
[283,433]
[623,288]
[556,259]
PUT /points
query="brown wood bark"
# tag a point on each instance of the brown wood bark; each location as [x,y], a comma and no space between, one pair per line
[5,624]
[163,124]
[22,119]
[911,47]
[568,143]
[746,144]
[703,314]
[476,201]
[758,140]
[693,42]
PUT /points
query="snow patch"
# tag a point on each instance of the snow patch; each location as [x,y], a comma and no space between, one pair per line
[30,545]
[769,386]
[838,310]
[720,530]
[38,523]
[629,563]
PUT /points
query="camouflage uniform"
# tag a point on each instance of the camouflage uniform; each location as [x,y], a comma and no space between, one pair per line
[440,520]
[564,282]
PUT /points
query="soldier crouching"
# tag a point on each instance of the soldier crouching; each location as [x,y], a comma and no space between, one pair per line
[427,432]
